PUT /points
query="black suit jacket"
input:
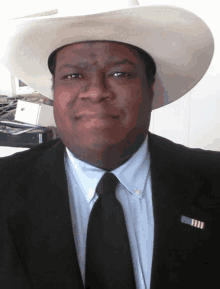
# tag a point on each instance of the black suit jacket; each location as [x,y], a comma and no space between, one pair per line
[37,247]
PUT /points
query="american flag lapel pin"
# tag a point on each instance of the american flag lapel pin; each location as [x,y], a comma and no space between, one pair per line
[192,222]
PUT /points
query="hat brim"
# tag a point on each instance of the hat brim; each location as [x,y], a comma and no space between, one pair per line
[180,43]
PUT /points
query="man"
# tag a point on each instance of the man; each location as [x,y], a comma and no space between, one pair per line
[104,91]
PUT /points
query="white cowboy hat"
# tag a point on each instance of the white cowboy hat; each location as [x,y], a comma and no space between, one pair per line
[180,43]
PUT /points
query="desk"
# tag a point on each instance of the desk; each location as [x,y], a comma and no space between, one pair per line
[7,151]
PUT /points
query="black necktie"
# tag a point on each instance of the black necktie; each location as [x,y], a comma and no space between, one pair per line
[108,255]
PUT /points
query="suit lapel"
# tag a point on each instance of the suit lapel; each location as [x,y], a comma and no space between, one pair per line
[177,246]
[42,226]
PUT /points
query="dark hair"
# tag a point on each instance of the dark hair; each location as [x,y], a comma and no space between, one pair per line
[150,66]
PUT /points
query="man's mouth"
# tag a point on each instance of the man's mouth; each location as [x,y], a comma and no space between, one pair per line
[95,115]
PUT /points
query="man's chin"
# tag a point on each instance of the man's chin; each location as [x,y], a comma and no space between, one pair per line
[94,144]
[90,143]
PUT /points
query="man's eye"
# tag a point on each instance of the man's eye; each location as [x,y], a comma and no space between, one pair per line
[121,74]
[71,76]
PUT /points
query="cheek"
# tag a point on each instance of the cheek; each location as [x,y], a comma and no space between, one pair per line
[132,103]
[133,109]
[61,108]
[61,98]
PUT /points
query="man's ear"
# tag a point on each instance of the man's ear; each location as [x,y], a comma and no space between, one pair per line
[152,88]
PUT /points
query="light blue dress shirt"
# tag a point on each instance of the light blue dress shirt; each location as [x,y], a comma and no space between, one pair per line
[135,195]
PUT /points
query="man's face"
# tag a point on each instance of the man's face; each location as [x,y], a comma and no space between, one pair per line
[101,95]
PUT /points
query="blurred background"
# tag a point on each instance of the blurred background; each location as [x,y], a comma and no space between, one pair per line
[193,120]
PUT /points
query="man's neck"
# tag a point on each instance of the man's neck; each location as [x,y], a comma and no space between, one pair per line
[111,157]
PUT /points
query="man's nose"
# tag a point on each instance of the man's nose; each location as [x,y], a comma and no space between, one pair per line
[96,89]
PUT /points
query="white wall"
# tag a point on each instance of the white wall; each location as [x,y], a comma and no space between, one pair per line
[5,81]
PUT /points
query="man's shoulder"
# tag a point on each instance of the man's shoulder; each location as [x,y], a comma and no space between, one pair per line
[190,157]
[19,160]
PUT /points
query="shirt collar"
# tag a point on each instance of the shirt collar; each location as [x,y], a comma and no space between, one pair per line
[132,174]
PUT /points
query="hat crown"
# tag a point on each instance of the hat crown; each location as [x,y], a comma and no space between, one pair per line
[85,7]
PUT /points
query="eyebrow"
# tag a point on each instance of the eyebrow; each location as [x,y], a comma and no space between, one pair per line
[86,65]
[125,61]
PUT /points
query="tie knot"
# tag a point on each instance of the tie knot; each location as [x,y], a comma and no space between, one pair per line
[107,184]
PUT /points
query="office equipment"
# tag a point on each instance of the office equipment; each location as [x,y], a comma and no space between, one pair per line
[35,113]
[27,139]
